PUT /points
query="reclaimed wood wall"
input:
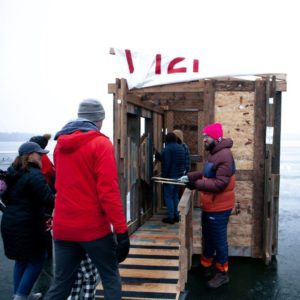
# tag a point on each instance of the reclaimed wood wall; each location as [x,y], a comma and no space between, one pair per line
[235,111]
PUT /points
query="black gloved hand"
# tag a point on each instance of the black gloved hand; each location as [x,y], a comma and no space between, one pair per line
[190,185]
[123,246]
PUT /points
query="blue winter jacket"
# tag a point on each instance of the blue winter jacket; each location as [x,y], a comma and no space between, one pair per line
[173,160]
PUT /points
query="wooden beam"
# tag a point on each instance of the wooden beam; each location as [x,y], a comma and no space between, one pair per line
[235,85]
[258,166]
[191,86]
[133,99]
[112,88]
[209,102]
[281,86]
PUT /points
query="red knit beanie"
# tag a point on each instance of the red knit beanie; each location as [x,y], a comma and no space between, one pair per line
[214,130]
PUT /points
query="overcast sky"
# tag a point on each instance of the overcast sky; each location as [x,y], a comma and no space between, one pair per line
[55,53]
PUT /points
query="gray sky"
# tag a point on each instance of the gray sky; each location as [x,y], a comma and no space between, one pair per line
[55,53]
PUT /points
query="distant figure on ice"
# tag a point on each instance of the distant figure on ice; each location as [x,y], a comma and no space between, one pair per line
[216,183]
[23,225]
[87,204]
[172,159]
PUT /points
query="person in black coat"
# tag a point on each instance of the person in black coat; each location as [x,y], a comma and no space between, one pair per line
[23,228]
[173,164]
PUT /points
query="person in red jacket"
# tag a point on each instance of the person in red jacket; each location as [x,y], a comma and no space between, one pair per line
[48,171]
[87,205]
[216,183]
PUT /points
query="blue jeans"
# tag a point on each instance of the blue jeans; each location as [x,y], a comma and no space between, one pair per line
[68,256]
[26,273]
[214,235]
[171,196]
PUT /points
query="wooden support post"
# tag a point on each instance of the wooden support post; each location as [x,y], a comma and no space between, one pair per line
[276,166]
[123,117]
[269,207]
[259,167]
[185,208]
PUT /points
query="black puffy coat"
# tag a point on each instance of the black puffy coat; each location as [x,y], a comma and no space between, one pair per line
[23,223]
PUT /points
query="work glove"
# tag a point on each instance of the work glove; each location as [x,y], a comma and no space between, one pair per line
[123,246]
[184,179]
[190,185]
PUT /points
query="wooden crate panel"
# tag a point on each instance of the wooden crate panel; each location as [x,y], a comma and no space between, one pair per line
[242,218]
[244,194]
[235,110]
[239,235]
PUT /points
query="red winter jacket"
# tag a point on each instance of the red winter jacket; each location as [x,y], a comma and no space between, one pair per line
[48,169]
[88,199]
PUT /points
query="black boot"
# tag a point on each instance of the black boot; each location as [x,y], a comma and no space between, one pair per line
[168,220]
[218,280]
[207,272]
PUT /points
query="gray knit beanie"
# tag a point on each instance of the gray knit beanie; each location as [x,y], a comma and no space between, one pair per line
[91,110]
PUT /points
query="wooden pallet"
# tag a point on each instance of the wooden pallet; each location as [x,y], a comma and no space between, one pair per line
[151,271]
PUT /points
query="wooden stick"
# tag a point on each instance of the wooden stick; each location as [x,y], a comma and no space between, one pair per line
[169,182]
[165,179]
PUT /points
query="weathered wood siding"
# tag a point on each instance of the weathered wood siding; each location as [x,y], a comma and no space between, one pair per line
[235,110]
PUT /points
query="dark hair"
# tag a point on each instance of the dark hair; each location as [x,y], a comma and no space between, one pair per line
[171,137]
[21,162]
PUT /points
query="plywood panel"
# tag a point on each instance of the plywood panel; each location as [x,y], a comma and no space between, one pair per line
[235,110]
[244,194]
[239,235]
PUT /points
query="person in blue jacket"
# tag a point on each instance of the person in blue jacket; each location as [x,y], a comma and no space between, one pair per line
[173,165]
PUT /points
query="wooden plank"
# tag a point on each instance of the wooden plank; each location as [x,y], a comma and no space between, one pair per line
[209,101]
[184,203]
[152,262]
[258,166]
[168,252]
[111,88]
[123,118]
[154,241]
[192,86]
[142,273]
[133,99]
[150,234]
[150,287]
[235,85]
[281,86]
[268,201]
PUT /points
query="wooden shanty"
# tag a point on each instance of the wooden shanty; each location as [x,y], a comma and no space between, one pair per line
[249,109]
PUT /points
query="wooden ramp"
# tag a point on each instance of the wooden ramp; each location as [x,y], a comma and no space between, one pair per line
[151,271]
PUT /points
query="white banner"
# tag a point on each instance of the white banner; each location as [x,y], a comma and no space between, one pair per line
[143,70]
